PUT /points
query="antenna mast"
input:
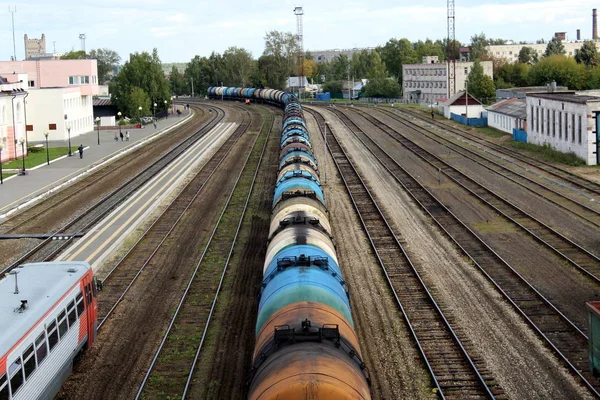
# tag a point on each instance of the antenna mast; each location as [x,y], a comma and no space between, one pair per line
[451,50]
[300,39]
[82,37]
[13,11]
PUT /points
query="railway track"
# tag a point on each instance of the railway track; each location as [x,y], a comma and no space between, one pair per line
[20,220]
[573,253]
[561,334]
[125,272]
[455,373]
[587,187]
[579,209]
[195,310]
[49,248]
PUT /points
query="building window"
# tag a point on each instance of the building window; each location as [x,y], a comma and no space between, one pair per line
[553,123]
[31,83]
[85,80]
[542,125]
[560,125]
[73,80]
[573,127]
[537,119]
[580,129]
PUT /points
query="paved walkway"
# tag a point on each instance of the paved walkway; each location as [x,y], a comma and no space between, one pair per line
[20,191]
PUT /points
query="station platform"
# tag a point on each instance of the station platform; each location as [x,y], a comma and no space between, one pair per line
[20,191]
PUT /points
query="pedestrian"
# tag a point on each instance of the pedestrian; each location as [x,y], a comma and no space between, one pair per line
[80,148]
[116,137]
[154,123]
[121,136]
[432,114]
[127,136]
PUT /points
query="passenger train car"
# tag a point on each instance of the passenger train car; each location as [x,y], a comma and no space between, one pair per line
[306,346]
[48,317]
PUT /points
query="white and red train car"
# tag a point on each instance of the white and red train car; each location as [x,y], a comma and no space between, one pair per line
[48,317]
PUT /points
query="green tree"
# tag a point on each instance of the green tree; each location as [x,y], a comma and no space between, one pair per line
[107,59]
[74,55]
[279,58]
[139,98]
[478,46]
[177,82]
[512,75]
[382,87]
[528,55]
[238,66]
[457,45]
[587,54]
[429,48]
[333,87]
[377,68]
[395,53]
[563,70]
[481,86]
[339,68]
[555,46]
[144,72]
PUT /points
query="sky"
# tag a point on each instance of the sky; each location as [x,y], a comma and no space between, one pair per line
[181,29]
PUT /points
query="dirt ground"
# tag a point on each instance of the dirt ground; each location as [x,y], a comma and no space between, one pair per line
[518,360]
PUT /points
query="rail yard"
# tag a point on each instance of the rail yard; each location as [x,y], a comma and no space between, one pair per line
[467,263]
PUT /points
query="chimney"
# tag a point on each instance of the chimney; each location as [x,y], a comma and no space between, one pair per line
[578,34]
[594,24]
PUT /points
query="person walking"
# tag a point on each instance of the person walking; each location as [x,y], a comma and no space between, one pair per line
[116,137]
[127,136]
[432,114]
[80,148]
[121,136]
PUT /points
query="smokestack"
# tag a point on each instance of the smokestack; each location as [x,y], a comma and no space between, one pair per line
[594,24]
[578,34]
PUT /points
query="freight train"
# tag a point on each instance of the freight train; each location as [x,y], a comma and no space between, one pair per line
[48,317]
[306,345]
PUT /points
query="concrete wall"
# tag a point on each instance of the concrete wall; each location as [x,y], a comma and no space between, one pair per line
[503,122]
[51,106]
[474,111]
[551,122]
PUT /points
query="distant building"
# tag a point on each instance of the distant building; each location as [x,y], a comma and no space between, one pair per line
[507,115]
[565,121]
[34,46]
[428,83]
[521,92]
[463,104]
[324,56]
[510,52]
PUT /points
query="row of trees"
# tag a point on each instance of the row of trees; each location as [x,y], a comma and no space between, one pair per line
[107,60]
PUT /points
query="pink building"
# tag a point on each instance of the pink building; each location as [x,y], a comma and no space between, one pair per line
[59,97]
[12,116]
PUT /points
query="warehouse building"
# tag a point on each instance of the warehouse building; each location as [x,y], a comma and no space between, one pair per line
[566,121]
[427,83]
[508,115]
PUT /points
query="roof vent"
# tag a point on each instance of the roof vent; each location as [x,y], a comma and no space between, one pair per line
[22,307]
[72,270]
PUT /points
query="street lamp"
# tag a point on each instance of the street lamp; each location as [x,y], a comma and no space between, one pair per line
[98,128]
[166,109]
[119,114]
[1,179]
[69,131]
[154,112]
[47,154]
[22,141]
[140,110]
[173,104]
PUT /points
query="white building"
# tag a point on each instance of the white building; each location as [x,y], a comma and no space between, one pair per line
[565,122]
[12,115]
[428,83]
[510,52]
[462,104]
[507,115]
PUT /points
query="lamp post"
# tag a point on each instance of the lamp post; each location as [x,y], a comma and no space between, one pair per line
[173,104]
[154,112]
[140,116]
[1,179]
[47,154]
[119,114]
[69,131]
[166,109]
[98,129]
[22,141]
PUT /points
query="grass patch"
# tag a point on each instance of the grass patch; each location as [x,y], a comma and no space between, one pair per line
[491,132]
[37,156]
[549,154]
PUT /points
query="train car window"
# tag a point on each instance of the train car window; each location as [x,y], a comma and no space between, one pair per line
[16,376]
[62,323]
[52,335]
[88,299]
[80,305]
[72,314]
[41,347]
[28,361]
[3,387]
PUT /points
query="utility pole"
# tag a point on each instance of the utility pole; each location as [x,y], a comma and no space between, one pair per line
[300,39]
[467,100]
[451,50]
[54,46]
[13,11]
[192,86]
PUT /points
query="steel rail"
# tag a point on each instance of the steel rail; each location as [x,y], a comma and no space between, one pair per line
[438,314]
[473,247]
[130,186]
